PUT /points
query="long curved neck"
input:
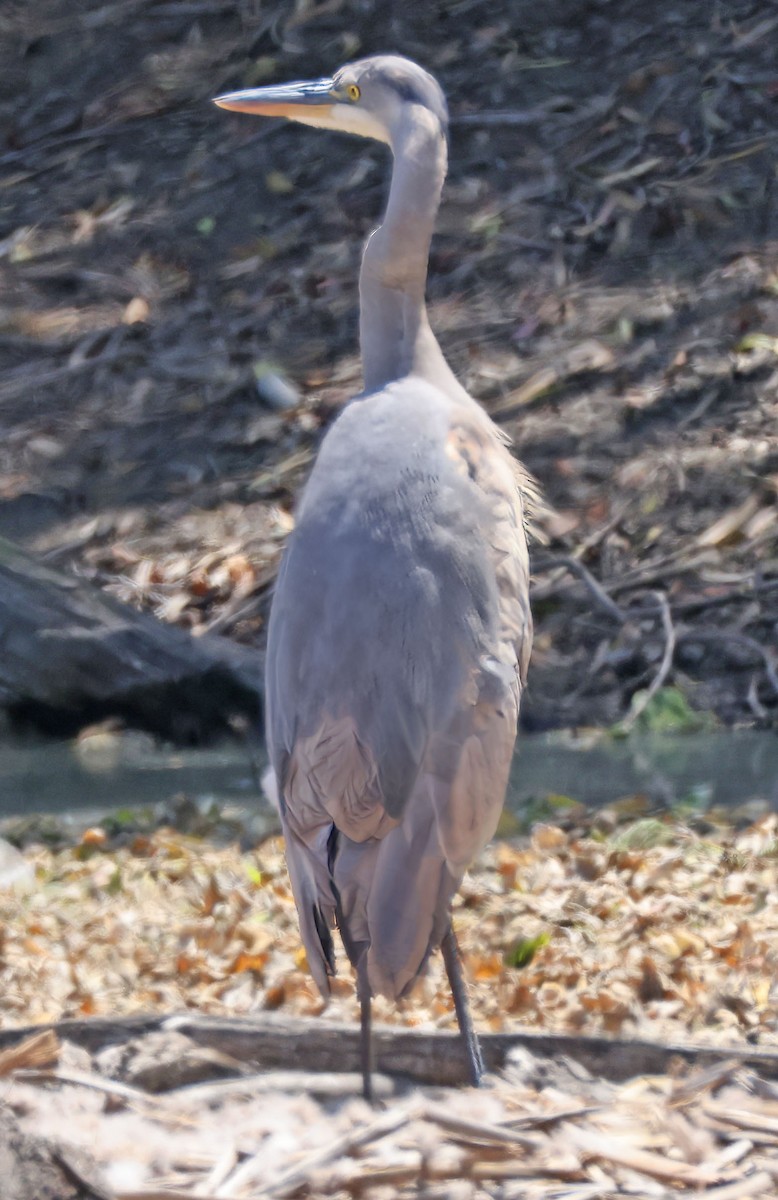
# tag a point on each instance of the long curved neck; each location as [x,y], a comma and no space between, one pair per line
[395,335]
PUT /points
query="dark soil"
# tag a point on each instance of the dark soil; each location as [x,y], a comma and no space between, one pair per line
[605,278]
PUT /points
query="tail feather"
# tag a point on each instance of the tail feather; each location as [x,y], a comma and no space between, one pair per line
[390,886]
[312,889]
[408,902]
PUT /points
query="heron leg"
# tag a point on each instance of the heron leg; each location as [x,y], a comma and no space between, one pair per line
[456,981]
[365,1039]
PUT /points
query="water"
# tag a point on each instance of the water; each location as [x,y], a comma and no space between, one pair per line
[722,768]
[112,771]
[115,771]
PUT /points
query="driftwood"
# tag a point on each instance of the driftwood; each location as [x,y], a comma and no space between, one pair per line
[545,1129]
[272,1042]
[70,654]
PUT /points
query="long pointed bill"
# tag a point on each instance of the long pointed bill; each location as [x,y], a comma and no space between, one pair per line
[311,102]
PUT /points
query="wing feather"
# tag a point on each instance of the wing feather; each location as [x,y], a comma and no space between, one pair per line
[398,647]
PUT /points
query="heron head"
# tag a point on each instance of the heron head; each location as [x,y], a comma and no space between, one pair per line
[372,97]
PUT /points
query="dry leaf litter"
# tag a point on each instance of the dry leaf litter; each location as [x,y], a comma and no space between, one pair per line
[643,928]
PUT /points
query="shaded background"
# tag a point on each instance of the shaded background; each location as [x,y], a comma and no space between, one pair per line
[604,278]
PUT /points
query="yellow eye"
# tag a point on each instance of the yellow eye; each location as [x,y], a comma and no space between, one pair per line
[353,92]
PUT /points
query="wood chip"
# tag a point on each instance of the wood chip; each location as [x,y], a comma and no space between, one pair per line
[297,1175]
[646,1162]
[758,1122]
[759,1184]
[479,1131]
[39,1050]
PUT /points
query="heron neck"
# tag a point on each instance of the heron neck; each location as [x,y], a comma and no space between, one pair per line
[395,334]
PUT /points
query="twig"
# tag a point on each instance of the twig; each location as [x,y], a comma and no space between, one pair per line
[219,1172]
[733,1152]
[661,569]
[239,609]
[598,535]
[700,408]
[296,1176]
[512,1168]
[737,639]
[520,117]
[706,1080]
[109,1087]
[754,703]
[758,1184]
[17,384]
[579,570]
[166,1194]
[584,358]
[277,475]
[751,1122]
[510,119]
[310,1083]
[647,1162]
[356,1175]
[581,1191]
[701,603]
[479,1131]
[314,1083]
[664,666]
[543,1120]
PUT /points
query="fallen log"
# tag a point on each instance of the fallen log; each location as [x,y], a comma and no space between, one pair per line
[71,655]
[271,1041]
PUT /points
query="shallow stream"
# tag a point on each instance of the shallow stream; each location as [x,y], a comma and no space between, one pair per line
[117,771]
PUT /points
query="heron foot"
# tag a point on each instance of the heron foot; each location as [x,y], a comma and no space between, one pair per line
[453,964]
[366,1054]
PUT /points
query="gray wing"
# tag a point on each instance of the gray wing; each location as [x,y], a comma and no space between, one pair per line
[399,624]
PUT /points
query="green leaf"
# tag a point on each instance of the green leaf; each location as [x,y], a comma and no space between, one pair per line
[668,712]
[544,809]
[757,341]
[643,835]
[115,884]
[278,183]
[522,953]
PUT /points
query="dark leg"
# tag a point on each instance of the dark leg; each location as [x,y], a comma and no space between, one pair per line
[365,1041]
[457,984]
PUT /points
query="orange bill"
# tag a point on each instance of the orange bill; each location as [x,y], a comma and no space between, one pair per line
[313,98]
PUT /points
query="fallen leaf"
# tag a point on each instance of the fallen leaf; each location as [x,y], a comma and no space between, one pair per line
[730,524]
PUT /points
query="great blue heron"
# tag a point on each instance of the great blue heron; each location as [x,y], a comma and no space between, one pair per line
[400,628]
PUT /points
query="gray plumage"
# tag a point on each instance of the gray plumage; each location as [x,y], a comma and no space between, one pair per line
[400,628]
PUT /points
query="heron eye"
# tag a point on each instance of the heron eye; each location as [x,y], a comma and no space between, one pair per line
[353,92]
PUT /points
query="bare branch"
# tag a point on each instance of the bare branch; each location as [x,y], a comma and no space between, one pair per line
[664,666]
[579,570]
